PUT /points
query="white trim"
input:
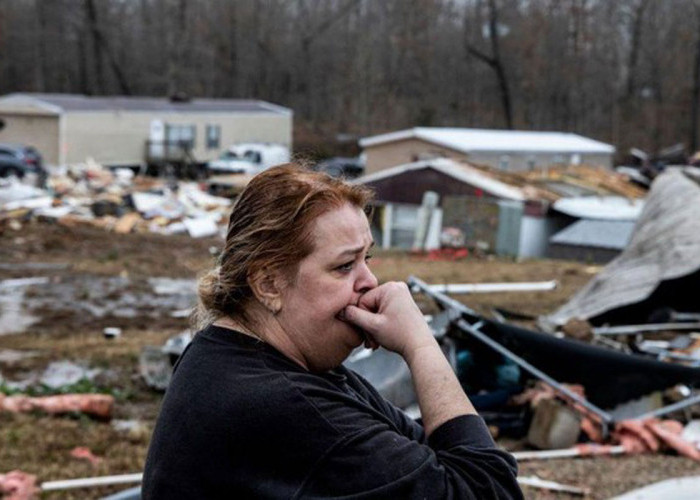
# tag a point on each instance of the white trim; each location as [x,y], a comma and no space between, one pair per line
[460,171]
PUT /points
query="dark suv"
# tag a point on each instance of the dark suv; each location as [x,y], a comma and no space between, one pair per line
[348,168]
[18,160]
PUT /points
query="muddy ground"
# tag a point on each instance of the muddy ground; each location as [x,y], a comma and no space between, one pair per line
[86,279]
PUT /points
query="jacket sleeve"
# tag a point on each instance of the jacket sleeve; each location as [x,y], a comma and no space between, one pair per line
[458,461]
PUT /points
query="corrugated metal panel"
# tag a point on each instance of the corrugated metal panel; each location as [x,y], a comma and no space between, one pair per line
[665,245]
[596,233]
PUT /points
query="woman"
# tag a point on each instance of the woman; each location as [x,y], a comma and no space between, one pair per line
[260,406]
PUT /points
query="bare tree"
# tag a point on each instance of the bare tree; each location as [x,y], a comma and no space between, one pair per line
[494,60]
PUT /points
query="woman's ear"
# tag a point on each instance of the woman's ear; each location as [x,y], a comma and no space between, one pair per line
[267,288]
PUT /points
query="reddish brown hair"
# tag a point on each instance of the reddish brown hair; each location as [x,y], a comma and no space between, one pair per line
[270,229]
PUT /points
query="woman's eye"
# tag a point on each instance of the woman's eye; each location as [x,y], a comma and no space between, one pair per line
[368,257]
[345,267]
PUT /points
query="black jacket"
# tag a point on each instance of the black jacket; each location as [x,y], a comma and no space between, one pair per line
[240,420]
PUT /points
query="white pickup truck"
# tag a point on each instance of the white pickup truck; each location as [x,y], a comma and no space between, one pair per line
[249,158]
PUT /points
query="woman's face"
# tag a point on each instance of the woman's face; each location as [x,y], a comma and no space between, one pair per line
[334,275]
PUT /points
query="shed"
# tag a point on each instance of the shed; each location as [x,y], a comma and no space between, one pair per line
[503,149]
[506,212]
[119,130]
[489,212]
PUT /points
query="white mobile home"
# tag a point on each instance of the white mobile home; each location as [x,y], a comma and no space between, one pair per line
[118,130]
[503,149]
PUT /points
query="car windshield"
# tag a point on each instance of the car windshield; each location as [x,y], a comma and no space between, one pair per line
[229,155]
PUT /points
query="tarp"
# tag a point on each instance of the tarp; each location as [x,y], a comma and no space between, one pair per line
[658,267]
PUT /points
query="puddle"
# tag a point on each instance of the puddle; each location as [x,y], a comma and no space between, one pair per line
[13,316]
[22,301]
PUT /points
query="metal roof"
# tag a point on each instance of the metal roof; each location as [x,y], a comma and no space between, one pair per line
[600,207]
[503,141]
[665,245]
[596,233]
[74,102]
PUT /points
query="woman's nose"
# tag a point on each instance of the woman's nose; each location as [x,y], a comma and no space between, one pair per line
[366,281]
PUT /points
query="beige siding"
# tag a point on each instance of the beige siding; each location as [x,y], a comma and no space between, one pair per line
[120,137]
[390,154]
[36,130]
[527,161]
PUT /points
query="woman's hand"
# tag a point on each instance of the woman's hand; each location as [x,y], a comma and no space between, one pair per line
[391,319]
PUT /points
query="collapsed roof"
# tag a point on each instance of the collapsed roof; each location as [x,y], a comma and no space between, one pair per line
[548,185]
[658,267]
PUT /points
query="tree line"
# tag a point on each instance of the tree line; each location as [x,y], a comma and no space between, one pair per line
[621,71]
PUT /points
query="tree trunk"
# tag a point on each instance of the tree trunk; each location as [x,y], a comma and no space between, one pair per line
[495,61]
[695,100]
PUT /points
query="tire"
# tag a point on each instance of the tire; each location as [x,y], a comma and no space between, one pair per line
[11,172]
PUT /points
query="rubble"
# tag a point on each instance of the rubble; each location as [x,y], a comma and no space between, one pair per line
[659,268]
[117,201]
[617,405]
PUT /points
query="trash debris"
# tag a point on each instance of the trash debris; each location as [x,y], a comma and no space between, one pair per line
[156,363]
[617,404]
[95,405]
[134,430]
[84,453]
[112,332]
[554,426]
[65,373]
[116,201]
[18,485]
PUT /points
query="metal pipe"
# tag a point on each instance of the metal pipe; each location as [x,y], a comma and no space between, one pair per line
[634,329]
[681,316]
[670,408]
[86,482]
[663,354]
[494,287]
[474,331]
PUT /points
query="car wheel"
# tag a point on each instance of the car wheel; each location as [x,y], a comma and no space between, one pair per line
[11,172]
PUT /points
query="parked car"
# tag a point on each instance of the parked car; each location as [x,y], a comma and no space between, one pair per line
[348,168]
[249,158]
[19,160]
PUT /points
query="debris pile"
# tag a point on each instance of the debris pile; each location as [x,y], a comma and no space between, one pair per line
[568,397]
[117,201]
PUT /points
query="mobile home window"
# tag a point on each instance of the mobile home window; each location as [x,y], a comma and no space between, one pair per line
[213,136]
[503,162]
[181,134]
